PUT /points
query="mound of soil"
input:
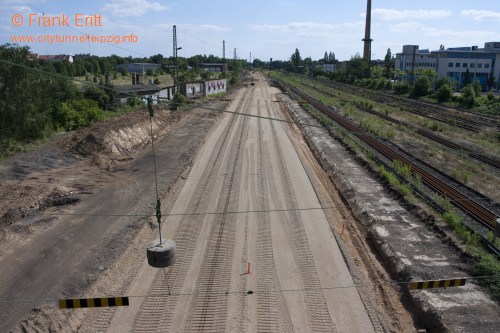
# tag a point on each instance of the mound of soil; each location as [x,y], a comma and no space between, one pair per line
[89,145]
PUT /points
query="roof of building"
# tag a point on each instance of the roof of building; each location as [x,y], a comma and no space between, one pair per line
[140,64]
[212,64]
[49,57]
[143,89]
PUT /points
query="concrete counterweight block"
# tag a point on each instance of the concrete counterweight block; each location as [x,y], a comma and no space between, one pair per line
[161,255]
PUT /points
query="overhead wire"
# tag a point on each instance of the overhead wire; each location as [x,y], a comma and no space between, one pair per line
[196,104]
[265,291]
[396,204]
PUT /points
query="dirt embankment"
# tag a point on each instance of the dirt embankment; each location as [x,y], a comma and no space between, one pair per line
[57,199]
[47,177]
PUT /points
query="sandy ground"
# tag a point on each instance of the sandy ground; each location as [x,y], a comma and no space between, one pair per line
[70,208]
[261,174]
[248,166]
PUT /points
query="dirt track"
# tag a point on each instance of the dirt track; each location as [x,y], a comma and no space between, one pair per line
[250,164]
[246,165]
[46,255]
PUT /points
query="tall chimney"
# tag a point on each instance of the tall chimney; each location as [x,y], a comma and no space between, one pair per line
[367,52]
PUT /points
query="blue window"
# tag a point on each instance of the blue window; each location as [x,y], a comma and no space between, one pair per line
[457,64]
[486,65]
[479,65]
[464,65]
[472,65]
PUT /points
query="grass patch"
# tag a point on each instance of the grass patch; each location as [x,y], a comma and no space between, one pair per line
[489,265]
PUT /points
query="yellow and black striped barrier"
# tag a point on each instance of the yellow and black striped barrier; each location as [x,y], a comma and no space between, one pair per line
[92,302]
[437,284]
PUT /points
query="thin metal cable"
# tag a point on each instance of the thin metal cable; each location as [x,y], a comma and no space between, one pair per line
[267,291]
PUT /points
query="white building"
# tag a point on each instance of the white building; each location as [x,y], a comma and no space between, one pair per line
[454,62]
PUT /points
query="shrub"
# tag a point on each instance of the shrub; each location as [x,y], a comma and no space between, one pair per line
[444,93]
[421,88]
[79,113]
[468,97]
[477,88]
[380,84]
[489,266]
[401,88]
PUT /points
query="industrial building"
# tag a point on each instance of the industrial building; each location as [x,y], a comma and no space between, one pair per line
[213,67]
[140,68]
[454,62]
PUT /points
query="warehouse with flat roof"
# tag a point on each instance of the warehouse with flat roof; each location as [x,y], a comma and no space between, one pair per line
[483,64]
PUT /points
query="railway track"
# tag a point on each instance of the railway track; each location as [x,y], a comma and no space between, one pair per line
[466,120]
[470,206]
[426,133]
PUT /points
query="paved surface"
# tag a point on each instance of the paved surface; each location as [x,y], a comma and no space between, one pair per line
[247,164]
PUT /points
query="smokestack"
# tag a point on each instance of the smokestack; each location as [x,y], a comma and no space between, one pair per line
[224,50]
[367,52]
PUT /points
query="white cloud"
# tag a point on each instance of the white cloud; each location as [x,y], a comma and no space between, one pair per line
[135,8]
[191,27]
[203,27]
[301,27]
[456,37]
[480,15]
[419,14]
[408,27]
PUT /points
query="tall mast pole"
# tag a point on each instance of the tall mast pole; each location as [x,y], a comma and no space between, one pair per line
[367,52]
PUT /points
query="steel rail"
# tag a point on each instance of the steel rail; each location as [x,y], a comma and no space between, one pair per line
[470,206]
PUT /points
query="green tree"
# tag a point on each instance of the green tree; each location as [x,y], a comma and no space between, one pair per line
[27,97]
[97,94]
[444,93]
[389,64]
[468,97]
[421,87]
[477,88]
[378,72]
[331,58]
[467,78]
[79,113]
[445,80]
[357,68]
[429,73]
[296,60]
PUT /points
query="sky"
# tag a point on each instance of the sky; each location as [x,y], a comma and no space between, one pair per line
[265,28]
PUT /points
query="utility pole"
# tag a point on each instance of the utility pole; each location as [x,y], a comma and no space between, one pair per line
[176,69]
[367,52]
[223,51]
[175,59]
